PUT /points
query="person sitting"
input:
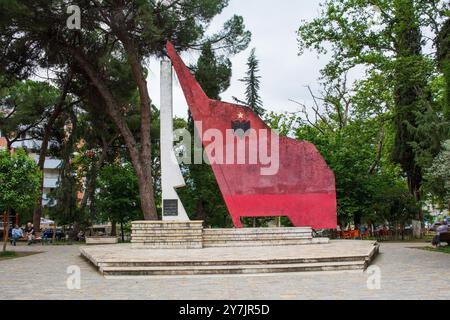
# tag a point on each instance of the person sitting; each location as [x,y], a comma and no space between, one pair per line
[362,231]
[443,228]
[17,233]
[29,232]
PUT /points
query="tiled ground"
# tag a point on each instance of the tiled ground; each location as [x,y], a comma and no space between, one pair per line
[405,274]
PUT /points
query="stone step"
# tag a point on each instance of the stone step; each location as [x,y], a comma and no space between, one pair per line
[151,237]
[230,269]
[255,243]
[175,263]
[167,231]
[255,237]
[167,245]
[258,231]
[196,228]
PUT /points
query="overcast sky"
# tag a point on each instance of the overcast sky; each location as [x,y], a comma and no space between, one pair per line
[284,73]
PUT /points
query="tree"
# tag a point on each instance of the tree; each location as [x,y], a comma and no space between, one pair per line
[19,183]
[351,130]
[443,57]
[24,107]
[252,85]
[213,72]
[118,195]
[386,43]
[438,175]
[125,31]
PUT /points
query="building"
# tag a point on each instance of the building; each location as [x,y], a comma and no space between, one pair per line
[3,142]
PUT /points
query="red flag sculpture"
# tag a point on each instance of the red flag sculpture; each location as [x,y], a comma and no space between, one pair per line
[276,176]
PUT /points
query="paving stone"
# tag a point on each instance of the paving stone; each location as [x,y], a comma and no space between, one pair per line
[405,274]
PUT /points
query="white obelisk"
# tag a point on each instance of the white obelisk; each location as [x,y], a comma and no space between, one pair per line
[171,177]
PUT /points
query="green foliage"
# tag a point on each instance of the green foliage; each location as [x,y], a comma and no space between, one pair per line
[443,56]
[7,254]
[369,188]
[117,198]
[19,181]
[438,175]
[24,105]
[212,72]
[398,83]
[252,85]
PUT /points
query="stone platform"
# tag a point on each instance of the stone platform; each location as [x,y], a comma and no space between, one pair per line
[123,260]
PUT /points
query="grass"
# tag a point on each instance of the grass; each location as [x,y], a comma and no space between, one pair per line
[8,254]
[438,249]
[14,254]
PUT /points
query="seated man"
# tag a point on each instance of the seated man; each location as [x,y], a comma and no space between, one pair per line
[441,229]
[30,233]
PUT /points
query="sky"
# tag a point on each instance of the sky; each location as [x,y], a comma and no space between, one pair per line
[284,74]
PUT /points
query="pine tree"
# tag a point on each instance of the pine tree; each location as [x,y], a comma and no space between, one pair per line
[252,81]
[443,56]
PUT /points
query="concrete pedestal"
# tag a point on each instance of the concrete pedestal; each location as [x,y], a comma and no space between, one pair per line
[192,235]
[167,235]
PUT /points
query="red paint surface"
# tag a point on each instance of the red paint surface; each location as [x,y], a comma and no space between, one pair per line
[303,188]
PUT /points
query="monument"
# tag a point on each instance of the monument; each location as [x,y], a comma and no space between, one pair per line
[297,184]
[259,174]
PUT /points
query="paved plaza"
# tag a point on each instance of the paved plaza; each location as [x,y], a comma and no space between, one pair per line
[406,273]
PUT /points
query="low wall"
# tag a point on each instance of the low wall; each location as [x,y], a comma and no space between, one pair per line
[167,234]
[101,240]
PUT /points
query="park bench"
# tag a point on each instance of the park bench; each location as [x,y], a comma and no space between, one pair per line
[37,238]
[445,237]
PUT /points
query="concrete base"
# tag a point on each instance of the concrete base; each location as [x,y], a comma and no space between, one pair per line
[122,260]
[101,240]
[167,235]
[191,235]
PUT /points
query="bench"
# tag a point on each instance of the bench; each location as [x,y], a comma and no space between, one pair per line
[445,237]
[37,238]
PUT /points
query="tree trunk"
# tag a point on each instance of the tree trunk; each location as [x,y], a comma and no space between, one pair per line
[54,233]
[37,214]
[200,210]
[5,230]
[145,180]
[113,229]
[121,231]
[141,161]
